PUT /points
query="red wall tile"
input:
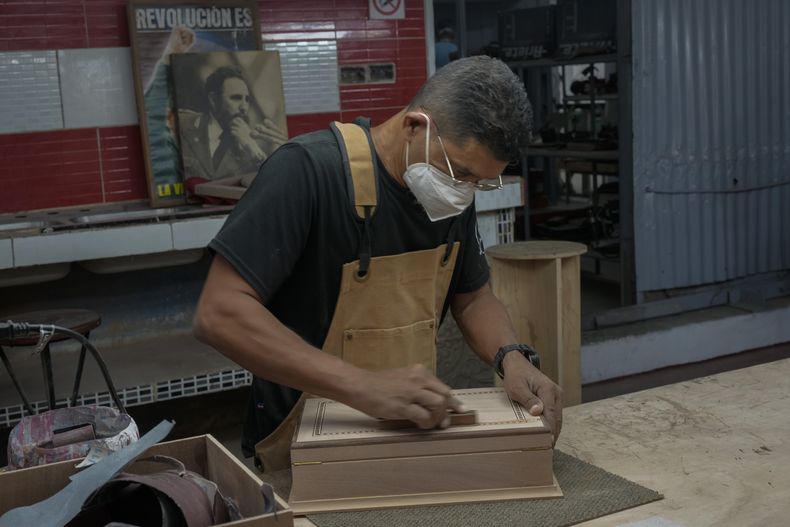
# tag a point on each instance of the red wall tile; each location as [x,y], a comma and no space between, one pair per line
[123,169]
[49,169]
[302,124]
[73,167]
[106,23]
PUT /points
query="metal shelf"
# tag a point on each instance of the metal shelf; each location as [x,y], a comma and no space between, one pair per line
[589,98]
[598,155]
[587,59]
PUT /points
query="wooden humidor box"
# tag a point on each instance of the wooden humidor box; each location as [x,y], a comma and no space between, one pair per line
[345,460]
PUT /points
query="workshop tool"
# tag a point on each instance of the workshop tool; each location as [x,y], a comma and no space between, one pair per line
[456,419]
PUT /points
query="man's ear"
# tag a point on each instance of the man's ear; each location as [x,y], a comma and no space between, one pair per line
[413,122]
[211,96]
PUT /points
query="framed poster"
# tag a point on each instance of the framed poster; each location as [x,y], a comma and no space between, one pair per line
[231,112]
[159,29]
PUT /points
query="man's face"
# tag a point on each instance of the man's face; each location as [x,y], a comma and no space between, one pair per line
[471,161]
[232,102]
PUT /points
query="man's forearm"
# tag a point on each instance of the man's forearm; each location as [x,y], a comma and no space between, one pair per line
[247,333]
[484,322]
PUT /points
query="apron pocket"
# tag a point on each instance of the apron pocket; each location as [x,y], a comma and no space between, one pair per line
[386,349]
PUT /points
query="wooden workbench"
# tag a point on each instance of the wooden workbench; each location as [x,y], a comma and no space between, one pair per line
[718,447]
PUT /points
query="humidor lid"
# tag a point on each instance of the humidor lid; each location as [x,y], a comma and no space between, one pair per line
[328,424]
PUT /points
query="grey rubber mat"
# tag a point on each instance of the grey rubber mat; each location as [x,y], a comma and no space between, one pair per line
[590,492]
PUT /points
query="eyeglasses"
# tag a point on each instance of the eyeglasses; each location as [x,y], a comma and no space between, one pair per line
[460,182]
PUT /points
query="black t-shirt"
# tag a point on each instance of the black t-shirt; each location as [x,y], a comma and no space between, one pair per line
[295,228]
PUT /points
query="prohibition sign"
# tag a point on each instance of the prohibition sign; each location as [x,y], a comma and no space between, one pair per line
[387,7]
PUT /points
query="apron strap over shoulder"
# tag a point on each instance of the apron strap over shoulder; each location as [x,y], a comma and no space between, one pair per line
[451,239]
[366,250]
[359,161]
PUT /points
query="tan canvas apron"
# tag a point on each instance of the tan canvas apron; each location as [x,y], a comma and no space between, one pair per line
[387,318]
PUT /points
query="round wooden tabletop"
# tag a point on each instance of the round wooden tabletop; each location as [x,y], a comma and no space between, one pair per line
[80,320]
[536,250]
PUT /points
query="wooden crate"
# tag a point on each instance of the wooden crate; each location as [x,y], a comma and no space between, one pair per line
[345,460]
[201,454]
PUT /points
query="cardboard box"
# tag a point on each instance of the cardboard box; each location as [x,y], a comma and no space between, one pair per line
[344,460]
[201,454]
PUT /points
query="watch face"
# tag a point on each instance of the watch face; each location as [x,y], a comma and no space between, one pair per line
[532,356]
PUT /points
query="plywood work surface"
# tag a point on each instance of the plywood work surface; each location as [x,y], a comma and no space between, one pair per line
[324,420]
[717,448]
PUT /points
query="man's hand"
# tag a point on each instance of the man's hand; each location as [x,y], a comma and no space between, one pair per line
[242,135]
[406,393]
[180,41]
[269,130]
[537,393]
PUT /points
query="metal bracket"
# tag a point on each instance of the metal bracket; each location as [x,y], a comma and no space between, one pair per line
[45,334]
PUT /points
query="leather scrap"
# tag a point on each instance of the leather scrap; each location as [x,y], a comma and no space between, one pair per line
[57,510]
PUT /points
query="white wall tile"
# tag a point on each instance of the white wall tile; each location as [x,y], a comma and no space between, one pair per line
[90,244]
[309,75]
[196,233]
[6,254]
[29,91]
[97,87]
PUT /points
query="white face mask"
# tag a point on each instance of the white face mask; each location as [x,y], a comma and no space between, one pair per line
[434,189]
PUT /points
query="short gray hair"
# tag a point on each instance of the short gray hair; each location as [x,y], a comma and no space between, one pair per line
[479,98]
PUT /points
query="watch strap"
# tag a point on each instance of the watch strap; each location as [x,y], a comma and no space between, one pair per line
[528,352]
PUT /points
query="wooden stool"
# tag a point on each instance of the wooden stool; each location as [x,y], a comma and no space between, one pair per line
[81,321]
[539,284]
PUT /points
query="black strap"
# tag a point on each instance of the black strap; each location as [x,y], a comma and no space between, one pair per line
[450,240]
[365,249]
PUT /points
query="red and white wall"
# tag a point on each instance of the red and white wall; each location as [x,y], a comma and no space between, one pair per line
[68,124]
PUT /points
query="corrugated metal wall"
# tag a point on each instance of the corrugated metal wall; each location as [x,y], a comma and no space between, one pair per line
[711,124]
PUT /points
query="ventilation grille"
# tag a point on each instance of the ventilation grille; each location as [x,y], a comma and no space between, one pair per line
[144,393]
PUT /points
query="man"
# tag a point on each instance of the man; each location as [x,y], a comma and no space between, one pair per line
[445,48]
[296,269]
[222,142]
[215,144]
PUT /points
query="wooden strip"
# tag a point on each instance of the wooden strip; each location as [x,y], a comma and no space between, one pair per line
[454,445]
[421,475]
[569,367]
[415,500]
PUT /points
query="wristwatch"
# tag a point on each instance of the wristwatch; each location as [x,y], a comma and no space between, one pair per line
[530,354]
